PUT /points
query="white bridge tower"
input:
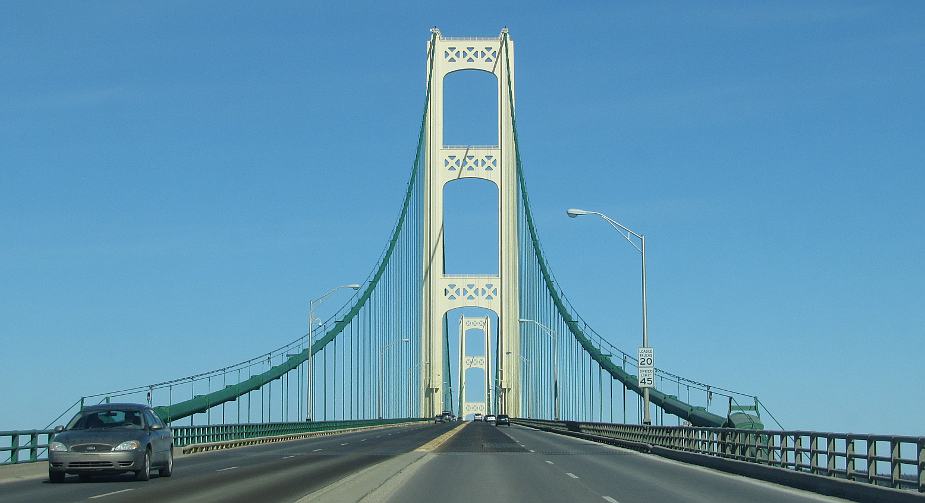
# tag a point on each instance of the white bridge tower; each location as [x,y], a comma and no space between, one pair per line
[443,293]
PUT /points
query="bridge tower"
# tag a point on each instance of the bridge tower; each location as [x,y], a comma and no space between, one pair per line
[467,362]
[444,164]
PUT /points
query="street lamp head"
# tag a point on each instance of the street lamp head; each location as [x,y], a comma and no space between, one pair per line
[524,320]
[355,286]
[574,212]
[406,340]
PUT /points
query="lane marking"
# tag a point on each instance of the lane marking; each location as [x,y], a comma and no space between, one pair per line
[570,474]
[531,450]
[226,469]
[345,443]
[287,457]
[611,500]
[550,462]
[109,494]
[316,450]
[437,442]
[363,440]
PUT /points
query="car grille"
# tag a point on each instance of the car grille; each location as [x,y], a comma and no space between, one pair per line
[90,464]
[91,448]
[125,463]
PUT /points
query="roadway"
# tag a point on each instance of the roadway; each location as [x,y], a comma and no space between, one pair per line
[284,471]
[488,463]
[477,462]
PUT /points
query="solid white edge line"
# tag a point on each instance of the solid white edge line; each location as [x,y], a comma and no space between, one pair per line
[110,494]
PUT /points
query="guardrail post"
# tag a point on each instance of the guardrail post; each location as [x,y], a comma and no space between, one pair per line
[895,471]
[871,461]
[849,458]
[813,454]
[14,446]
[921,465]
[830,455]
[797,451]
[33,446]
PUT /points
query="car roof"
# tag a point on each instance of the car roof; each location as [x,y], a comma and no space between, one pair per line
[110,406]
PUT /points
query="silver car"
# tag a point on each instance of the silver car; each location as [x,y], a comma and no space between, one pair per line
[111,438]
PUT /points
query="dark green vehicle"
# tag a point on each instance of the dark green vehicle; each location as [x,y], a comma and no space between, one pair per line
[111,438]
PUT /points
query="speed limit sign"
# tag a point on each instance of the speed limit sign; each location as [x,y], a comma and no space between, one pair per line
[646,366]
[646,377]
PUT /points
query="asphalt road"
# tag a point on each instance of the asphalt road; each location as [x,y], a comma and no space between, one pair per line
[487,463]
[477,462]
[283,471]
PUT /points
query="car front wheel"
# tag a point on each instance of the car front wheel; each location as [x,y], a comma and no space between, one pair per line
[55,477]
[145,472]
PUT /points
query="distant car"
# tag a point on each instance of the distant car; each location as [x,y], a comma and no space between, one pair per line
[503,419]
[438,418]
[111,438]
[447,416]
[490,418]
[477,417]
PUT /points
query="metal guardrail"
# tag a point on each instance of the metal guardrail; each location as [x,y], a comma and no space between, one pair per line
[190,435]
[884,460]
[13,443]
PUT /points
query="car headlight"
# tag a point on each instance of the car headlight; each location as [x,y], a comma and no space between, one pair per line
[57,447]
[130,445]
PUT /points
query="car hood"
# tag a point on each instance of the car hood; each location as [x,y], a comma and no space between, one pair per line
[114,437]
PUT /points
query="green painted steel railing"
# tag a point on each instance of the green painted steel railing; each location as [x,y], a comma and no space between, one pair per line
[12,443]
[204,434]
[894,461]
[36,441]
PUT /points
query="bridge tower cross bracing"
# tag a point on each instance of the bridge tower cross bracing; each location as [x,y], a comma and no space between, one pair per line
[467,361]
[443,293]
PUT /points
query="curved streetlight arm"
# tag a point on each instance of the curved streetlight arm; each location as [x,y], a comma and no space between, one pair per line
[549,332]
[624,231]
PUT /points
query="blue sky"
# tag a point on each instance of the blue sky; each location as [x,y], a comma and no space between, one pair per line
[176,180]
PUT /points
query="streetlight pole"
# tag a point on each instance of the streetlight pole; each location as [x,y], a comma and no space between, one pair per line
[626,232]
[310,390]
[555,368]
[382,350]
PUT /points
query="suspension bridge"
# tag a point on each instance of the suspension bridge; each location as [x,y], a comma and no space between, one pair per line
[355,397]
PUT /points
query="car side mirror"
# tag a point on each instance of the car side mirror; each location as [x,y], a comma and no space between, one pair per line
[155,427]
[59,429]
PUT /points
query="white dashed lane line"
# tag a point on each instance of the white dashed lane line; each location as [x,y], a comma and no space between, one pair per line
[570,474]
[316,450]
[549,462]
[611,500]
[226,469]
[109,494]
[345,443]
[287,457]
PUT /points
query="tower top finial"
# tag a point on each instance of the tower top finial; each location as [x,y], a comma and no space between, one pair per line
[436,31]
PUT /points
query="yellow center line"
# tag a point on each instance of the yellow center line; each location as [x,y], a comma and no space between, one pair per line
[437,442]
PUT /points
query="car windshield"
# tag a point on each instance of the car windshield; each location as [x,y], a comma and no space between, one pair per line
[106,419]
